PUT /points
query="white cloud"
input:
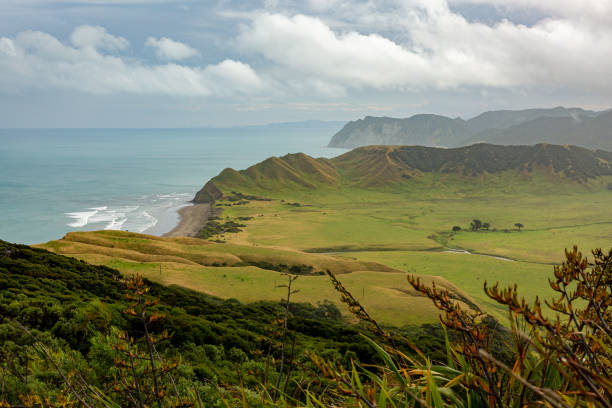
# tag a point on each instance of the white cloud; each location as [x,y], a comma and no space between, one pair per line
[595,9]
[97,38]
[351,47]
[435,48]
[168,49]
[38,60]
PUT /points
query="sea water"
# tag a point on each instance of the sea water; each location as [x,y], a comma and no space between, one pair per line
[53,181]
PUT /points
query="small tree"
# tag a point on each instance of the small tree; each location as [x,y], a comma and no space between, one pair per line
[290,280]
[519,225]
[476,225]
[456,228]
[486,225]
[144,377]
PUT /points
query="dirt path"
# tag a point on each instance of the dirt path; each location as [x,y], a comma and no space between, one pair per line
[193,219]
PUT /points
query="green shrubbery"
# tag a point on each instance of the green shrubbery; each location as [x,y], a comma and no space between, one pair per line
[215,227]
[74,334]
[76,310]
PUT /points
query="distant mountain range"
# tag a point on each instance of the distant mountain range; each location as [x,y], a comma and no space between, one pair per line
[559,125]
[380,166]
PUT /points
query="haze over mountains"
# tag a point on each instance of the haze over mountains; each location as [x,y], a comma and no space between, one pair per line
[559,125]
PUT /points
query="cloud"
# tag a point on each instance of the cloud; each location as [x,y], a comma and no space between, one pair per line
[593,9]
[168,49]
[97,38]
[334,49]
[35,59]
[434,47]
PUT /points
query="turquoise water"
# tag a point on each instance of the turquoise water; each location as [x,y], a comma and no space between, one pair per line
[53,181]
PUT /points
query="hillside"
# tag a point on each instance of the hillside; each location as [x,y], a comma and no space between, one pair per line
[504,119]
[593,132]
[378,166]
[426,130]
[558,125]
[250,273]
[77,310]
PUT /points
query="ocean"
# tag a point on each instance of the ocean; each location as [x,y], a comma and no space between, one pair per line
[53,181]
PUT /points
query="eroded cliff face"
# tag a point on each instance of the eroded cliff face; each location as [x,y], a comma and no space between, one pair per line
[424,130]
[208,194]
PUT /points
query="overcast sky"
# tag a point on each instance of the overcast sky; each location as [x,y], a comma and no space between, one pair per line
[190,63]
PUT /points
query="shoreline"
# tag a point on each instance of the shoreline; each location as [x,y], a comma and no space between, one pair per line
[192,219]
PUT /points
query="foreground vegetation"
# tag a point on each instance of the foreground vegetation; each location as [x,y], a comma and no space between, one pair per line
[79,335]
[67,325]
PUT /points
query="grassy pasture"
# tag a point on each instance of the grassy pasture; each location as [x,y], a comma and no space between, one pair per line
[357,220]
[408,228]
[385,292]
[369,236]
[469,272]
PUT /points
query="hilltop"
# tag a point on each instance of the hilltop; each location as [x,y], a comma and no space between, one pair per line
[379,166]
[558,126]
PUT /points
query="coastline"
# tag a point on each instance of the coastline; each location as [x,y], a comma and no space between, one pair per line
[192,219]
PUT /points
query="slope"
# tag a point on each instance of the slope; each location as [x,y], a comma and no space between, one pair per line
[383,166]
[252,273]
[593,132]
[428,130]
[436,130]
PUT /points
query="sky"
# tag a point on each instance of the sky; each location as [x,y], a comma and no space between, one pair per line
[199,63]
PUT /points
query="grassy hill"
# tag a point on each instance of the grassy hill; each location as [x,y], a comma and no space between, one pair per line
[380,166]
[397,205]
[251,273]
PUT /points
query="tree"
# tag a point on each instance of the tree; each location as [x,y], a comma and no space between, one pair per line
[476,225]
[486,225]
[456,228]
[519,225]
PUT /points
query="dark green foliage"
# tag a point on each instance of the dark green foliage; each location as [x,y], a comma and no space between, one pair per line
[292,269]
[476,225]
[574,162]
[214,227]
[72,306]
[456,228]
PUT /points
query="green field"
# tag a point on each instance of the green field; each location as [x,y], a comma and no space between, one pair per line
[354,219]
[355,233]
[409,226]
[371,219]
[196,264]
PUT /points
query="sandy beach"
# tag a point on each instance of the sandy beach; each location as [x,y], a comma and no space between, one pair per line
[193,219]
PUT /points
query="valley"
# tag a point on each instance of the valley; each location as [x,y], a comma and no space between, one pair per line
[360,217]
